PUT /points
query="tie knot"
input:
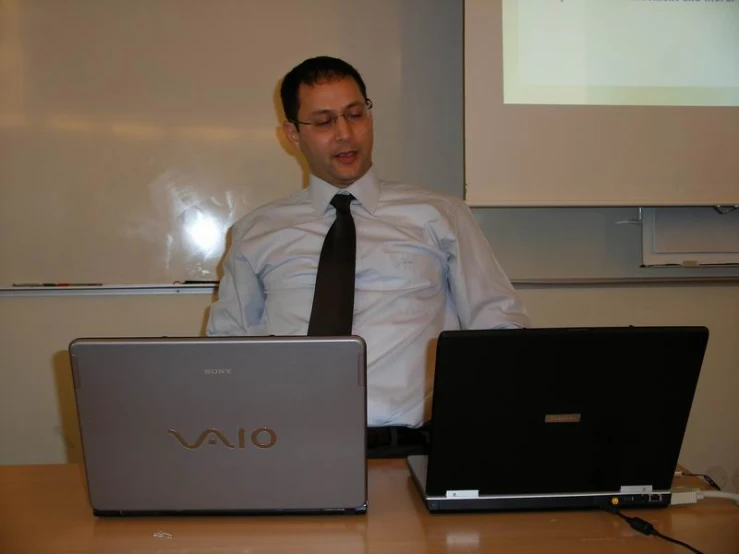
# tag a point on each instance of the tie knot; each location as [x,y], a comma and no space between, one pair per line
[341,202]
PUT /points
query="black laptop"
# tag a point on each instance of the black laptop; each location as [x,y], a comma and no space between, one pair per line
[558,418]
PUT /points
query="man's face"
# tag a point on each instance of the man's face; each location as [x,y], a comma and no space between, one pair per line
[339,153]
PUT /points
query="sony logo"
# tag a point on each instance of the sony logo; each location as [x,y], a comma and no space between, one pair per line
[217,371]
[262,437]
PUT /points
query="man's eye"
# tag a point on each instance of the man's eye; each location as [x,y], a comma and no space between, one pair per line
[322,122]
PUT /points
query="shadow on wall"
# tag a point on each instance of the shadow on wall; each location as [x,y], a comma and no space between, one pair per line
[68,429]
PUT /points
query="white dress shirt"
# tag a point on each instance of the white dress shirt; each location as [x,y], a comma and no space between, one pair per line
[423,266]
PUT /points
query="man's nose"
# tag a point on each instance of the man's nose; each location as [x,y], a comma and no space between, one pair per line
[342,128]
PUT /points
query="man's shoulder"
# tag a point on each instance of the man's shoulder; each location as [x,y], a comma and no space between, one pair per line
[396,192]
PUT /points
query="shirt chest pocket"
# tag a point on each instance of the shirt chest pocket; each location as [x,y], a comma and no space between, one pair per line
[396,270]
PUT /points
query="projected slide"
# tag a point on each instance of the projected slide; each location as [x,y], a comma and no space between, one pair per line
[621,52]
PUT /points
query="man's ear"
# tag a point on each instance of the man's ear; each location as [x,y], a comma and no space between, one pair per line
[291,133]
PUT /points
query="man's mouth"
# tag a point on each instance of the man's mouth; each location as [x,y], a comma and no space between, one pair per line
[347,156]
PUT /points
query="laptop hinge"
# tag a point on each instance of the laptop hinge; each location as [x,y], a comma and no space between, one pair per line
[463,494]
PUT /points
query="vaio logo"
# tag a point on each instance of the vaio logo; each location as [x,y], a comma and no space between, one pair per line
[263,437]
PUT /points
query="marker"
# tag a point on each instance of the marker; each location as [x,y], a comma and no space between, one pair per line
[189,282]
[39,285]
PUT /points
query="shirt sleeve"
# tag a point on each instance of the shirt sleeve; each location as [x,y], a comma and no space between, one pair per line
[240,304]
[481,291]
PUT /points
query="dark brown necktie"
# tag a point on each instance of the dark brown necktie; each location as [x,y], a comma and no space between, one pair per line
[333,299]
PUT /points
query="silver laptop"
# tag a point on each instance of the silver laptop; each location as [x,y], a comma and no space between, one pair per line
[558,418]
[222,425]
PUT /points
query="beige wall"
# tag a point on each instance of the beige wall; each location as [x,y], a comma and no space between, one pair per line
[38,417]
[37,414]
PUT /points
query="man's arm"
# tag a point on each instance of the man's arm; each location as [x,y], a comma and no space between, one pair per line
[238,310]
[482,293]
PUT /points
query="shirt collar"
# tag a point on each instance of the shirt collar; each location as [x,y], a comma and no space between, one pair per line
[366,190]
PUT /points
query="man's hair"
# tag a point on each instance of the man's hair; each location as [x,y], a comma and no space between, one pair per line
[310,72]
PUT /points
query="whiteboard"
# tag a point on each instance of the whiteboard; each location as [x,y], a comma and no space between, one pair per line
[134,133]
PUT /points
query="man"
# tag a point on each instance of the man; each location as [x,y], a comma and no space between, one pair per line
[421,263]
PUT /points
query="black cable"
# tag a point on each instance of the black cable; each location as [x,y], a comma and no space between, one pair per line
[646,528]
[681,543]
[707,478]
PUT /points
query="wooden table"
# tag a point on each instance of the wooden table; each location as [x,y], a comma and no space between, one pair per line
[44,510]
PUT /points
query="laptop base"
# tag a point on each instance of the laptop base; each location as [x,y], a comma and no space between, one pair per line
[359,510]
[499,503]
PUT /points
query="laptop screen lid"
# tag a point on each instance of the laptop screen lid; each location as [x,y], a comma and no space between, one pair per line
[561,410]
[226,424]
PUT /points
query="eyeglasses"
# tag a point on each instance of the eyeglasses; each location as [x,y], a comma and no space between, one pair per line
[356,114]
